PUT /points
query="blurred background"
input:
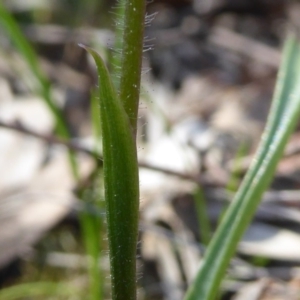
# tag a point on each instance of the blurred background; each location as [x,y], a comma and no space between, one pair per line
[208,76]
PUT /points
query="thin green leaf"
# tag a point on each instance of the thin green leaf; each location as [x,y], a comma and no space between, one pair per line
[121,185]
[25,48]
[283,118]
[96,123]
[202,216]
[91,226]
[30,56]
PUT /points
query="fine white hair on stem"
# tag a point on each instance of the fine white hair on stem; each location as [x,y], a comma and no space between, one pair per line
[145,70]
[149,18]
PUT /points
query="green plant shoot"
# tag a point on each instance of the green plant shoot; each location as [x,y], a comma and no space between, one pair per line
[121,185]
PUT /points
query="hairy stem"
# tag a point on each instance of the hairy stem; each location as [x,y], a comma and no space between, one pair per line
[132,58]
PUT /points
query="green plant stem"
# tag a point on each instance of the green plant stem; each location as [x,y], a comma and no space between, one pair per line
[116,59]
[132,58]
[233,181]
[202,216]
[91,227]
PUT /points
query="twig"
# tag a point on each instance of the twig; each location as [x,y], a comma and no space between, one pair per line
[51,139]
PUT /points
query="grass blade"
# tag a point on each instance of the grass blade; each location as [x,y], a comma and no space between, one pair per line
[91,226]
[284,115]
[202,216]
[30,56]
[28,53]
